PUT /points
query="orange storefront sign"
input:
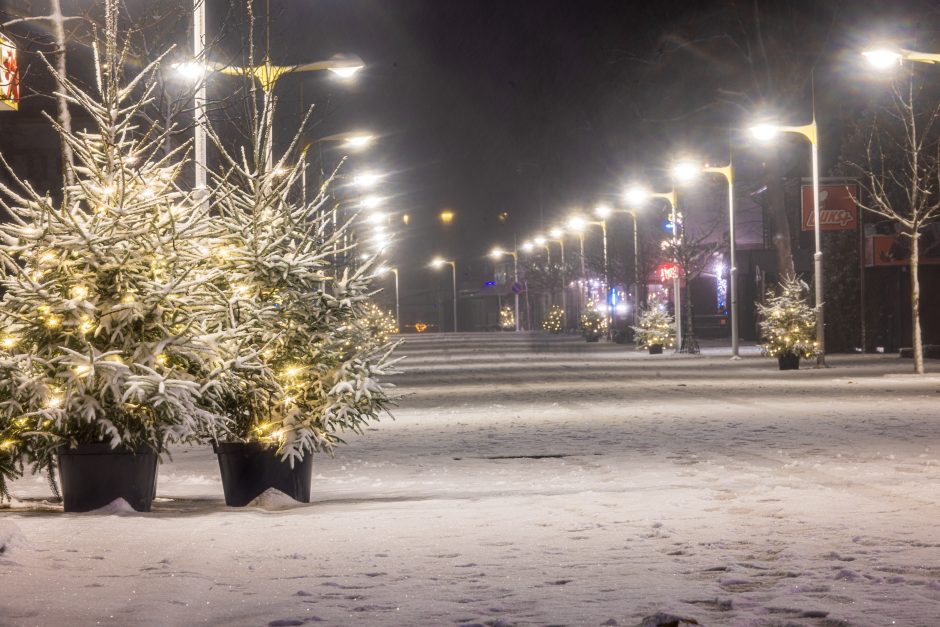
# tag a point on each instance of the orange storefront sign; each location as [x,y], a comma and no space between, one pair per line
[838,209]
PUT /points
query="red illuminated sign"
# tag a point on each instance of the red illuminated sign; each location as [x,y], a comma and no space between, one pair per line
[838,209]
[9,76]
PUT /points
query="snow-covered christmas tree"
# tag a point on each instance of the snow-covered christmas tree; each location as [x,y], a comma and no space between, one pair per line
[554,321]
[308,320]
[104,289]
[507,320]
[655,327]
[788,322]
[593,323]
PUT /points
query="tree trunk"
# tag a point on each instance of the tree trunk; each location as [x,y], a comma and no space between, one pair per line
[776,201]
[915,302]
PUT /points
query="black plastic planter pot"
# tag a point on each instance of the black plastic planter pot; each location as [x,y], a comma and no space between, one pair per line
[656,349]
[93,475]
[250,468]
[789,362]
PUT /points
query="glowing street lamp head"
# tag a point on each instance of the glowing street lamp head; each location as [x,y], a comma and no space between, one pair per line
[359,140]
[191,70]
[764,132]
[497,253]
[883,58]
[376,218]
[636,195]
[345,66]
[685,171]
[366,180]
[371,202]
[556,233]
[539,240]
[602,211]
[527,246]
[437,262]
[577,224]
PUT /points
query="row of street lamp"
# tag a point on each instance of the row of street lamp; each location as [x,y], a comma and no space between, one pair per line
[684,171]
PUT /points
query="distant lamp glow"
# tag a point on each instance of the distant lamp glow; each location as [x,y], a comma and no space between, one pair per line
[527,246]
[190,70]
[636,195]
[539,240]
[882,58]
[497,253]
[358,141]
[577,224]
[685,171]
[556,233]
[367,179]
[621,309]
[371,202]
[406,219]
[345,66]
[437,262]
[376,218]
[446,216]
[764,132]
[602,211]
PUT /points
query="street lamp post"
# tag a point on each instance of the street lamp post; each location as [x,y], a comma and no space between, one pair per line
[557,235]
[199,98]
[437,263]
[383,270]
[686,170]
[267,75]
[498,254]
[810,132]
[638,195]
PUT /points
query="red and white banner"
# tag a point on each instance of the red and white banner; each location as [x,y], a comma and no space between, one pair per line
[838,208]
[9,76]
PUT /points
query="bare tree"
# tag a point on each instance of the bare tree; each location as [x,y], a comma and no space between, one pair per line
[901,176]
[693,252]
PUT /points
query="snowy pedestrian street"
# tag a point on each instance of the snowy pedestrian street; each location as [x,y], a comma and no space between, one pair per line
[538,480]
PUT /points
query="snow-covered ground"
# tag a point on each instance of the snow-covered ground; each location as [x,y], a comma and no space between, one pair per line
[535,481]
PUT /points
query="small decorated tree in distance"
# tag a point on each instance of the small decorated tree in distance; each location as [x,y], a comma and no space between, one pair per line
[507,320]
[593,323]
[554,321]
[655,328]
[103,360]
[788,325]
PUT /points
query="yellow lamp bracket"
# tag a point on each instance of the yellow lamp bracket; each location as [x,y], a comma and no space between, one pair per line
[727,171]
[808,131]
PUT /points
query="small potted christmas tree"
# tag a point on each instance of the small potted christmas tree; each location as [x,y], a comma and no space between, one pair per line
[788,325]
[593,323]
[554,321]
[507,320]
[655,328]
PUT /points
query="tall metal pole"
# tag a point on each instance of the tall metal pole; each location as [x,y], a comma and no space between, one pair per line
[564,286]
[607,281]
[636,272]
[397,309]
[515,279]
[583,276]
[676,288]
[199,53]
[735,342]
[453,267]
[818,259]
